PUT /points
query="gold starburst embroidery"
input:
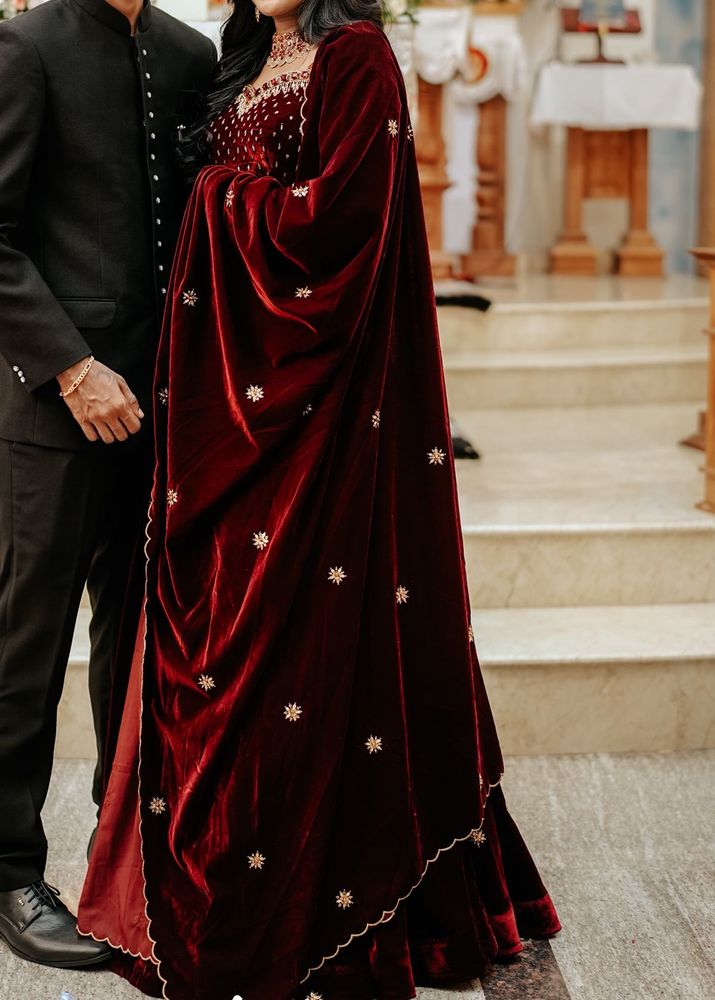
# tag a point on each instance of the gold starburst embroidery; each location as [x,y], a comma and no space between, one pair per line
[255,393]
[172,497]
[261,540]
[470,633]
[402,595]
[436,456]
[230,194]
[190,297]
[314,996]
[376,419]
[479,837]
[308,410]
[163,395]
[392,127]
[344,899]
[303,293]
[410,132]
[206,682]
[300,191]
[337,574]
[157,806]
[292,712]
[256,861]
[374,744]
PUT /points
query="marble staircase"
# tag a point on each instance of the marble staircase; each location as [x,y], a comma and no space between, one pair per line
[591,573]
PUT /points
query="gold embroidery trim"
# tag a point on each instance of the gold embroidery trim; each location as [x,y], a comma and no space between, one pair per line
[281,85]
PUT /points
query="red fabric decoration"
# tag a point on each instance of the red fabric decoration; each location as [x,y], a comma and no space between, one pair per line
[313,720]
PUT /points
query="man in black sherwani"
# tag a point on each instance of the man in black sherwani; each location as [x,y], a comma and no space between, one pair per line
[93,95]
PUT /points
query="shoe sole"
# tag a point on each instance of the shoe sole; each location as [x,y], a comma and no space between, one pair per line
[99,960]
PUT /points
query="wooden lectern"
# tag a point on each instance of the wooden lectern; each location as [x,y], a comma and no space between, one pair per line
[606,164]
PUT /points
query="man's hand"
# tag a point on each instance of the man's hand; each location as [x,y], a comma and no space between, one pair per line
[103,404]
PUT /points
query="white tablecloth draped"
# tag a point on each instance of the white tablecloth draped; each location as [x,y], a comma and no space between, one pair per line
[618,97]
[441,37]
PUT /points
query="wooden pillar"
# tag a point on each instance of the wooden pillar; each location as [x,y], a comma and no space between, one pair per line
[706,257]
[431,158]
[639,255]
[488,255]
[707,148]
[573,254]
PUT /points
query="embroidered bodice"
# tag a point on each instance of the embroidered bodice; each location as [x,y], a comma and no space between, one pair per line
[261,130]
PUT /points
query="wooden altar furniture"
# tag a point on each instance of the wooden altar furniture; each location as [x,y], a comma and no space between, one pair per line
[448,35]
[488,255]
[495,35]
[607,165]
[706,257]
[431,160]
[440,42]
[608,110]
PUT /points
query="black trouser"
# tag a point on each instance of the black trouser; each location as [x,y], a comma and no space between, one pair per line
[67,518]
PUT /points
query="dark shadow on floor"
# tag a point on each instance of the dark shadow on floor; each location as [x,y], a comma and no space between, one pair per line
[533,975]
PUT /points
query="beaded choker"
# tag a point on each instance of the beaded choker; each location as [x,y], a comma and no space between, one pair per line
[286,48]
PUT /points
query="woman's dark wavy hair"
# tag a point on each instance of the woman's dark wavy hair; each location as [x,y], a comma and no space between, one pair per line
[245,47]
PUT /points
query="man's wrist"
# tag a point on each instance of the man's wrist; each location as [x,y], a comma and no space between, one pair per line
[66,378]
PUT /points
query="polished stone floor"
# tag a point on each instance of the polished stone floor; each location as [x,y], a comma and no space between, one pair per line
[625,844]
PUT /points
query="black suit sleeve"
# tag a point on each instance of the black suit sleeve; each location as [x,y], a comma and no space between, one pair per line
[211,55]
[37,338]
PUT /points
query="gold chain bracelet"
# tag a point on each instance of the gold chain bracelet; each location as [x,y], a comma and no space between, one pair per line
[80,378]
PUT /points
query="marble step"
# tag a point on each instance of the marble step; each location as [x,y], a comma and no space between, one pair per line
[643,545]
[576,680]
[548,314]
[580,565]
[594,506]
[544,430]
[578,376]
[530,326]
[549,327]
[561,680]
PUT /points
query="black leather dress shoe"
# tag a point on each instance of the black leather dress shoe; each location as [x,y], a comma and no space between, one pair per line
[38,927]
[464,448]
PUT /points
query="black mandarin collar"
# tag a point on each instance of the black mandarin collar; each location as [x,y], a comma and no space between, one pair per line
[113,19]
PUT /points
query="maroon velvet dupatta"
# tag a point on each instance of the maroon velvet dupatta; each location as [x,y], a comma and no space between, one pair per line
[314,728]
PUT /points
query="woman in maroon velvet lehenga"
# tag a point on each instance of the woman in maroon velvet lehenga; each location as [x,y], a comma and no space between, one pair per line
[306,799]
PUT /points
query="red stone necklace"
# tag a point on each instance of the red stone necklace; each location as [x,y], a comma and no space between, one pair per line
[286,48]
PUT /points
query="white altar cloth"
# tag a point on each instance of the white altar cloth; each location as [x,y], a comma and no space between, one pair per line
[618,97]
[441,35]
